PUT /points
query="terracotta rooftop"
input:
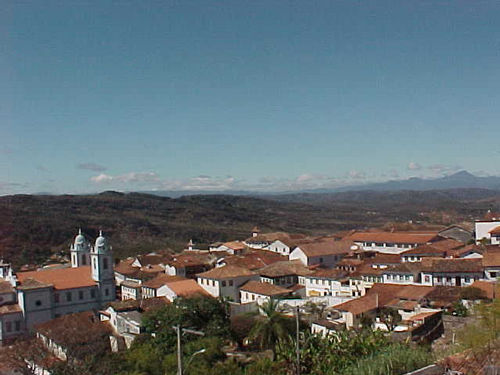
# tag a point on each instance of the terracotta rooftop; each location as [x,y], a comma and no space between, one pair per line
[425,250]
[440,265]
[225,272]
[125,267]
[378,296]
[145,304]
[186,288]
[6,287]
[191,260]
[487,287]
[284,268]
[10,309]
[414,292]
[457,253]
[235,245]
[447,244]
[314,249]
[491,258]
[153,258]
[265,289]
[64,278]
[254,259]
[394,237]
[407,268]
[161,280]
[77,331]
[402,304]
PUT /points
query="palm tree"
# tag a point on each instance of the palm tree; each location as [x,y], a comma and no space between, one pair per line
[271,326]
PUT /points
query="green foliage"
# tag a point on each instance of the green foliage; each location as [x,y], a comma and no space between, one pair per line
[459,309]
[331,354]
[390,317]
[485,332]
[395,359]
[271,327]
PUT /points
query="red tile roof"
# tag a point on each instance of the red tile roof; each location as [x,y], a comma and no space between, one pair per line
[161,280]
[186,288]
[489,288]
[491,258]
[254,259]
[440,265]
[284,268]
[226,272]
[395,237]
[425,250]
[323,248]
[265,289]
[63,278]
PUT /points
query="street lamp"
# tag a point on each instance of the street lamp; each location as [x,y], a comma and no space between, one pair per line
[192,356]
[179,330]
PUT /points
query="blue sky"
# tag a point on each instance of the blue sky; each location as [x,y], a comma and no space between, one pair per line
[264,95]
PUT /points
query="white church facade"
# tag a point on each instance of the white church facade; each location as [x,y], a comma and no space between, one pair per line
[38,296]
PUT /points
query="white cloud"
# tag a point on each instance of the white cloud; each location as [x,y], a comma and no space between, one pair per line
[412,166]
[442,169]
[132,177]
[357,175]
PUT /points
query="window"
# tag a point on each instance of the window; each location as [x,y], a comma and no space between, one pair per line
[8,326]
[92,293]
[80,294]
[84,260]
[17,325]
[38,303]
[230,282]
[56,297]
[94,263]
[68,296]
[106,292]
[321,260]
[105,263]
[224,283]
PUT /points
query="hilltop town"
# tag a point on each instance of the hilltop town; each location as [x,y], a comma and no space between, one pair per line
[413,285]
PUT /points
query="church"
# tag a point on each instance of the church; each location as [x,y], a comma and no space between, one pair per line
[30,298]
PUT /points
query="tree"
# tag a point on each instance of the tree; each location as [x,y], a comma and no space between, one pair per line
[270,327]
[390,317]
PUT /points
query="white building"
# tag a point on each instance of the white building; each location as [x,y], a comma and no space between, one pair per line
[491,264]
[255,291]
[326,253]
[225,281]
[450,272]
[49,293]
[483,227]
[393,242]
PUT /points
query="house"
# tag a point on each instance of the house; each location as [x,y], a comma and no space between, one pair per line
[181,288]
[495,235]
[326,327]
[233,247]
[35,297]
[74,336]
[416,254]
[457,233]
[251,259]
[225,281]
[404,273]
[188,264]
[256,291]
[284,273]
[483,227]
[467,252]
[333,282]
[149,289]
[263,240]
[392,242]
[491,264]
[326,253]
[450,272]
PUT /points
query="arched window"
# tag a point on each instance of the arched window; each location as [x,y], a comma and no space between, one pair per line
[105,263]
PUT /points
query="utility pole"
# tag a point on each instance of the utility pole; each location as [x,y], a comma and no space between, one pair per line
[179,350]
[297,348]
[179,332]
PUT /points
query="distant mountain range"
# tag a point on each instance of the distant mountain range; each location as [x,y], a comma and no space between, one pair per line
[459,180]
